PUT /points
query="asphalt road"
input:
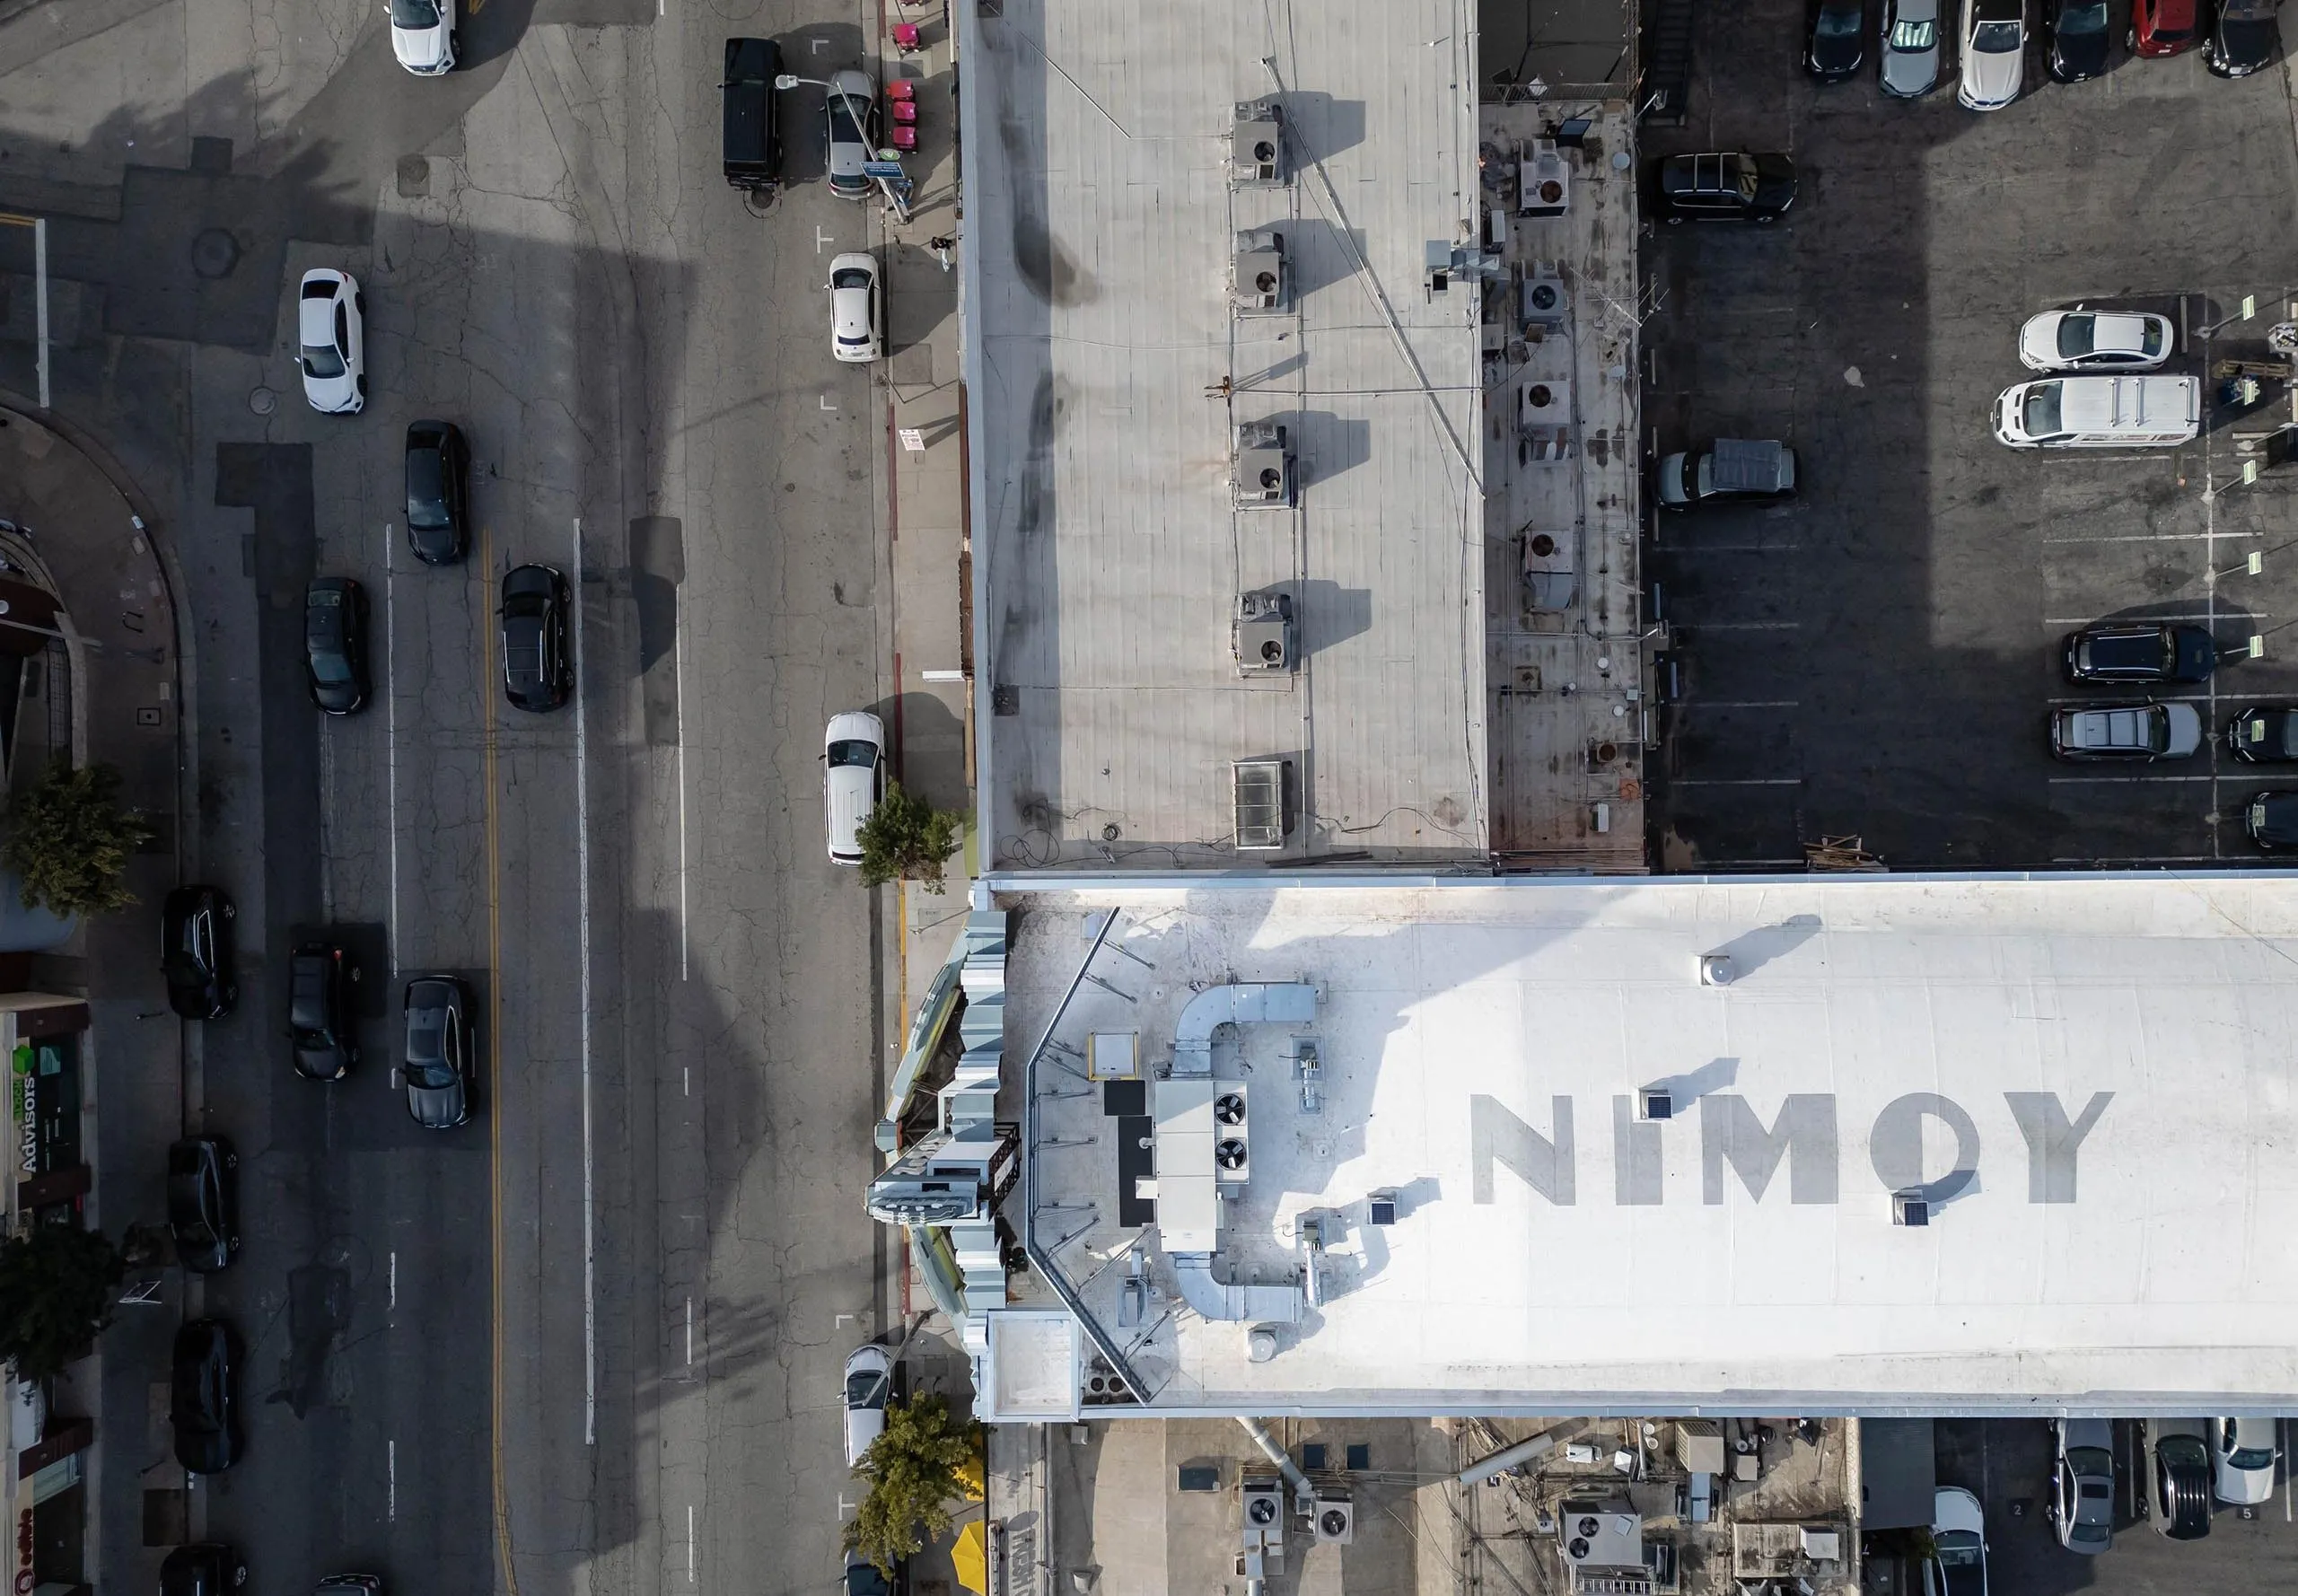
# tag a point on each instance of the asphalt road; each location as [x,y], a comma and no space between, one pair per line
[599,1328]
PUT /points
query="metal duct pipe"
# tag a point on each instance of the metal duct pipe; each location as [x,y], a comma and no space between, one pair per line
[1524,1451]
[1304,1494]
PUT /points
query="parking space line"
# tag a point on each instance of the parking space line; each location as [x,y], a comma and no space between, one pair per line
[1736,703]
[2135,538]
[2151,698]
[2058,780]
[1676,549]
[1741,626]
[1736,781]
[2101,860]
[2084,620]
[583,917]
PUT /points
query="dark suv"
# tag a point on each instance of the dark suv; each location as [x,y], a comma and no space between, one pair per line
[537,672]
[196,953]
[1726,186]
[203,1201]
[751,128]
[319,1011]
[2140,652]
[438,471]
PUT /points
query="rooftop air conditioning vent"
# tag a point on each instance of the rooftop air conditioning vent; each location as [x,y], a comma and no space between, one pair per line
[1262,637]
[1546,305]
[1336,1520]
[1261,1511]
[1260,281]
[1543,181]
[1228,1107]
[1264,473]
[1257,148]
[1232,1155]
[1257,788]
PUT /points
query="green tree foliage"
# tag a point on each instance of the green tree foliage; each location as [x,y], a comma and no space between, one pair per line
[906,838]
[56,1286]
[914,1469]
[68,840]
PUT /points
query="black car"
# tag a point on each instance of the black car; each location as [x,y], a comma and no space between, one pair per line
[335,643]
[438,474]
[2270,819]
[2264,733]
[750,148]
[319,1011]
[203,1403]
[2243,37]
[1726,186]
[196,953]
[537,669]
[336,1585]
[1835,39]
[203,1201]
[439,1058]
[862,1578]
[2080,44]
[2182,1487]
[204,1568]
[2142,652]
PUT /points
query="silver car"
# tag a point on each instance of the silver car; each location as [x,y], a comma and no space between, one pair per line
[1908,64]
[2082,1489]
[2127,731]
[852,111]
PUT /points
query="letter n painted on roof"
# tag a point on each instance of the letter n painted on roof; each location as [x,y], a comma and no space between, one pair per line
[1495,1132]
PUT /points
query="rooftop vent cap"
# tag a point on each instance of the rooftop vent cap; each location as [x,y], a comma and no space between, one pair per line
[1909,1209]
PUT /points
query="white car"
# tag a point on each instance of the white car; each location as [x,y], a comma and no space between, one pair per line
[330,331]
[1994,54]
[423,35]
[1957,1565]
[2242,1455]
[857,315]
[2082,340]
[869,1383]
[853,778]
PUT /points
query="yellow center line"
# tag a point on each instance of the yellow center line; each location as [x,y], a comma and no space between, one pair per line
[493,1048]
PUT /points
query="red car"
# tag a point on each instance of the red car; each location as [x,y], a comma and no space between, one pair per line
[2165,27]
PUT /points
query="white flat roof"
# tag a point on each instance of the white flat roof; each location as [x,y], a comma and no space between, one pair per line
[2091,1078]
[1101,226]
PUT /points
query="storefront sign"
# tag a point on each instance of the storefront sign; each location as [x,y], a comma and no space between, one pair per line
[26,1580]
[28,1131]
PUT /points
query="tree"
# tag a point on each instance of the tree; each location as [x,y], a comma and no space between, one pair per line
[916,1468]
[68,840]
[907,838]
[56,1286]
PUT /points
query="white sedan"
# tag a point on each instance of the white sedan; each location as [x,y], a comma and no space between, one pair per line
[858,316]
[2083,340]
[2242,1455]
[330,329]
[1994,54]
[869,1383]
[423,35]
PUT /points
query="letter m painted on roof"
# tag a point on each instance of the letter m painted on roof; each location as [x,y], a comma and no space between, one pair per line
[1496,1135]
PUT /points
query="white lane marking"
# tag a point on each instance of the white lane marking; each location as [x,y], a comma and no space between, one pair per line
[1741,626]
[391,733]
[686,1078]
[823,241]
[2059,779]
[2131,537]
[690,1332]
[826,404]
[391,1482]
[678,662]
[689,1543]
[1736,781]
[583,917]
[394,1302]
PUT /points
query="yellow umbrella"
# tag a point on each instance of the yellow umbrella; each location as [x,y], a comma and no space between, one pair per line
[970,1557]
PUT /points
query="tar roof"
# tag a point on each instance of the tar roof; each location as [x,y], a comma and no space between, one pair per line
[1107,373]
[2091,1081]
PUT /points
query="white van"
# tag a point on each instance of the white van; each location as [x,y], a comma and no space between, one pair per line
[2099,413]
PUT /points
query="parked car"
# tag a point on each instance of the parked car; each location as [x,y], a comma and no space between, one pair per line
[852,107]
[2181,1479]
[2143,732]
[856,309]
[2082,1486]
[538,666]
[2244,34]
[2080,46]
[1726,186]
[204,1396]
[869,1386]
[330,318]
[1957,1565]
[335,644]
[2147,412]
[195,951]
[203,1201]
[439,1063]
[1908,67]
[1994,54]
[2242,1454]
[862,1578]
[2163,27]
[1835,39]
[749,136]
[853,778]
[438,476]
[2264,734]
[423,36]
[2087,340]
[204,1568]
[2270,819]
[2140,651]
[334,1585]
[319,1011]
[1728,470]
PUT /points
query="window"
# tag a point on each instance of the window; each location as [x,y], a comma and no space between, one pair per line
[1996,38]
[1914,36]
[322,361]
[414,14]
[853,751]
[2039,412]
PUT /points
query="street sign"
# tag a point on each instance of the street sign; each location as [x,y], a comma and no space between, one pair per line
[881,169]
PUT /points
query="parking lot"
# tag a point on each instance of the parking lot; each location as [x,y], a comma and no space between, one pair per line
[2008,1464]
[1879,657]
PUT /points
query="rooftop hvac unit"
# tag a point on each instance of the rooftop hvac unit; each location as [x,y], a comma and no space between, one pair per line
[1599,1534]
[1262,637]
[1257,148]
[1260,283]
[1232,1157]
[1264,469]
[1543,181]
[1257,790]
[1546,305]
[1336,1520]
[1264,1526]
